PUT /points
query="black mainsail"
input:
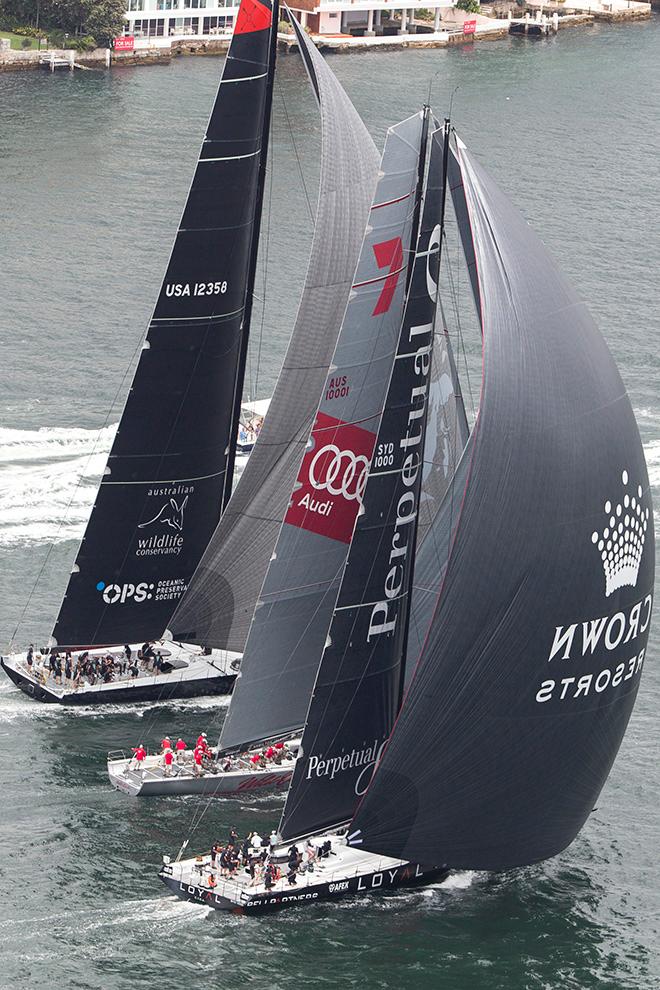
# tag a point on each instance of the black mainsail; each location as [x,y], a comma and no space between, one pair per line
[169,469]
[217,610]
[531,666]
[358,685]
[291,620]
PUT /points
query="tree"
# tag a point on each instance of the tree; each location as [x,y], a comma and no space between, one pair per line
[469,6]
[102,19]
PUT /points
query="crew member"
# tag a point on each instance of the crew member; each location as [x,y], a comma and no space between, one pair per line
[168,760]
[165,743]
[139,754]
[180,749]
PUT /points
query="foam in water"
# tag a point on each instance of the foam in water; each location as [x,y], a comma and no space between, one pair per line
[48,481]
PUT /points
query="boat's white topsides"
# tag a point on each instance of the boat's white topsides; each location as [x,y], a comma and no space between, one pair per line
[190,663]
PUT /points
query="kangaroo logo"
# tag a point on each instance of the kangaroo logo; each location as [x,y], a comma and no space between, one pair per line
[171,514]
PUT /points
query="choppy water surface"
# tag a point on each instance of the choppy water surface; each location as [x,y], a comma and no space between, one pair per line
[93,172]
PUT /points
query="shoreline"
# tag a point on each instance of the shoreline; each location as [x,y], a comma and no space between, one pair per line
[532,23]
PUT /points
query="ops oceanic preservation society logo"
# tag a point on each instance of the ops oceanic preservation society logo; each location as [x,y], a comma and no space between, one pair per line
[332,479]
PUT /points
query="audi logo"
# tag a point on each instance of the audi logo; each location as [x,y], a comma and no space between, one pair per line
[342,472]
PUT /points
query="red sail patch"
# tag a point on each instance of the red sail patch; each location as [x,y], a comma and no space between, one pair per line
[332,479]
[252,16]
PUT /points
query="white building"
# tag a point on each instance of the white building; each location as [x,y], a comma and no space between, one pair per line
[181,19]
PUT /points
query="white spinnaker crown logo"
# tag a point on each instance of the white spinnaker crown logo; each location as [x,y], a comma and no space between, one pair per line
[621,542]
[344,472]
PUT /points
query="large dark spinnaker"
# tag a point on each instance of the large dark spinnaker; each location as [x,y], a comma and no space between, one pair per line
[530,669]
[160,497]
[357,690]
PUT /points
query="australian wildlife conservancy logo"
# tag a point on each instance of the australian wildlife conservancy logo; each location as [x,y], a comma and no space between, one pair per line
[161,534]
[621,542]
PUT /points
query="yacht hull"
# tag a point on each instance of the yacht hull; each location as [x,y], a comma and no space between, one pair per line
[377,881]
[136,784]
[164,688]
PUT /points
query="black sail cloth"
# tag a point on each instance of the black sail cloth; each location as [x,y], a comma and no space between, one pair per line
[531,667]
[218,607]
[161,494]
[357,689]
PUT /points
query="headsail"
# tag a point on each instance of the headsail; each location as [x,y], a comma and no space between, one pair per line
[531,667]
[292,617]
[161,494]
[357,690]
[218,607]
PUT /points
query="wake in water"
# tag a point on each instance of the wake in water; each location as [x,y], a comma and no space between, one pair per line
[48,481]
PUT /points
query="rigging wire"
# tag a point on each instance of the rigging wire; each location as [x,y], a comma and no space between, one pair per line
[63,518]
[295,149]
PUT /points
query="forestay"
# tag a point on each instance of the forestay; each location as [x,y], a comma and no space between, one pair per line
[357,689]
[292,617]
[162,490]
[530,670]
[219,604]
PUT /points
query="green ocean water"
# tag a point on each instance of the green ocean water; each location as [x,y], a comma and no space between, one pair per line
[94,168]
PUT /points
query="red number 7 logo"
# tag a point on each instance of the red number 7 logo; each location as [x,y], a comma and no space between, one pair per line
[388,253]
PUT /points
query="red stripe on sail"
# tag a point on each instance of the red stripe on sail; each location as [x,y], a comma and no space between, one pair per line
[252,16]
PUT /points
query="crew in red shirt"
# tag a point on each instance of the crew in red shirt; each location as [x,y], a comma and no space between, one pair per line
[270,753]
[198,755]
[180,745]
[165,743]
[139,753]
[168,759]
[201,739]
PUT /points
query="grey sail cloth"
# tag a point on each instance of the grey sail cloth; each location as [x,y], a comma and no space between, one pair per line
[448,429]
[358,684]
[291,620]
[218,606]
[531,667]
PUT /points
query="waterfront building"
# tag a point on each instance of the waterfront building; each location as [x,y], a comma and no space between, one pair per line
[209,19]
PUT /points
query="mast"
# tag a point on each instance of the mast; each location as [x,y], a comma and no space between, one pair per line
[415,525]
[254,254]
[160,497]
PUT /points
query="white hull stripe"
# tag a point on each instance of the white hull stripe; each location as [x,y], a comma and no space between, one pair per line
[166,481]
[381,278]
[231,158]
[223,82]
[191,319]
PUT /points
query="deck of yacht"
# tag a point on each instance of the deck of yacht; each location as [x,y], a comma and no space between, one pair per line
[344,863]
[194,665]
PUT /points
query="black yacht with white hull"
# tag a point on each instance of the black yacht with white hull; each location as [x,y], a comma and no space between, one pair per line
[187,672]
[170,469]
[482,741]
[340,872]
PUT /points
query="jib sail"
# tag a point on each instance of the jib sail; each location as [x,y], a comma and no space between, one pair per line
[530,670]
[358,686]
[169,467]
[295,607]
[218,607]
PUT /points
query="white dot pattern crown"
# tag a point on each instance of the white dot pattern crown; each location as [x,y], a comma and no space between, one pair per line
[622,541]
